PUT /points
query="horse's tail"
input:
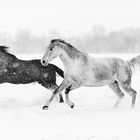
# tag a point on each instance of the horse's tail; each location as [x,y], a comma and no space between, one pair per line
[135,62]
[59,71]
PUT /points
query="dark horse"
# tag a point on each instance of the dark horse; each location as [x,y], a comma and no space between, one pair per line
[16,71]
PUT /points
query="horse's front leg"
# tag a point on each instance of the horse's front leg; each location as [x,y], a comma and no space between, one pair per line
[68,89]
[70,104]
[63,85]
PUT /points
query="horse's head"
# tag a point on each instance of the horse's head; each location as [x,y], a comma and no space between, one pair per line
[51,52]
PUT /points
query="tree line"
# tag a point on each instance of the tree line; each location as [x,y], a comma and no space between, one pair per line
[96,41]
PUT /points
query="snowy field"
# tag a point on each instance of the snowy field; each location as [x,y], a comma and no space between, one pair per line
[93,118]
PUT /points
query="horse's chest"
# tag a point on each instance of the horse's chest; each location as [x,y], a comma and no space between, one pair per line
[72,69]
[76,77]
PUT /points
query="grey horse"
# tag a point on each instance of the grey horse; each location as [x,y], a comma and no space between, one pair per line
[83,70]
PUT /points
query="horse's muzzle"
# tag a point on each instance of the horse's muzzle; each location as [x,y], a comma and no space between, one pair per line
[44,63]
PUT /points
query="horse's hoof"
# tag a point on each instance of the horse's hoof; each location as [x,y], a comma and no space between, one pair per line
[72,106]
[133,106]
[45,107]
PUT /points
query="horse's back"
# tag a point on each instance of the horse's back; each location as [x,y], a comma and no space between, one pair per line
[119,68]
[17,71]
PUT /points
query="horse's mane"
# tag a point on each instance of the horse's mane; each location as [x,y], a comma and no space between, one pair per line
[62,41]
[4,49]
[73,51]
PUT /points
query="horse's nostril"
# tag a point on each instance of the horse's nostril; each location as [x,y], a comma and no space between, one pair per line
[43,62]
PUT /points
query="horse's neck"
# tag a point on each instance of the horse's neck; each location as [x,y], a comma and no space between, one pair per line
[71,60]
[65,58]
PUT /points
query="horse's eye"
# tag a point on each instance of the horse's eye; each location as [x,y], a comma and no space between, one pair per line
[51,49]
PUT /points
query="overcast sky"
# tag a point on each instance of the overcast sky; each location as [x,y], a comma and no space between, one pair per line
[71,17]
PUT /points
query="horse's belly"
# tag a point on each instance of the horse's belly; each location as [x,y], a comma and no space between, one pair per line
[97,84]
[99,80]
[94,76]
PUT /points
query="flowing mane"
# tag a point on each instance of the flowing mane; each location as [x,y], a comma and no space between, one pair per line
[4,49]
[72,51]
[63,42]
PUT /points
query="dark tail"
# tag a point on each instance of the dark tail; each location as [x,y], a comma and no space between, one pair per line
[59,71]
[135,62]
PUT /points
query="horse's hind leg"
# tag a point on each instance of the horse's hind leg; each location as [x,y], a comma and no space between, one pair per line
[124,79]
[115,87]
[60,98]
[133,94]
[127,87]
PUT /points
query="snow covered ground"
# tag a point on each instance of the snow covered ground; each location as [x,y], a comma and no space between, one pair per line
[93,118]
